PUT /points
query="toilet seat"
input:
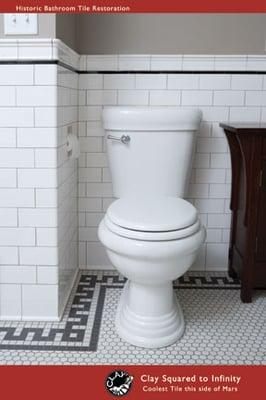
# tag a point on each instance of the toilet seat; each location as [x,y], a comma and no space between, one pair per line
[152,219]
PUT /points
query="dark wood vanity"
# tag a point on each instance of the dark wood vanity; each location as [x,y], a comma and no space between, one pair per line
[247,250]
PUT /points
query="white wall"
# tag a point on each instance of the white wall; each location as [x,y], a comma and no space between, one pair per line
[221,97]
[38,224]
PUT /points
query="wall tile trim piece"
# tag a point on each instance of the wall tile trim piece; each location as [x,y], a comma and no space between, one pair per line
[55,50]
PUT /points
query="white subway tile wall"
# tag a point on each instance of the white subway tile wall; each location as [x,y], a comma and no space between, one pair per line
[38,190]
[221,97]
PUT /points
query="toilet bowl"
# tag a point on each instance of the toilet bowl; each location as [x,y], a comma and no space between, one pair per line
[151,241]
[151,235]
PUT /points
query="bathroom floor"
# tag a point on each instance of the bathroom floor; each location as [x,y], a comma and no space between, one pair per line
[220,329]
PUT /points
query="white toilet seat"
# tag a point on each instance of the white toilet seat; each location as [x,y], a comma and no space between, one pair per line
[152,219]
[152,214]
[152,236]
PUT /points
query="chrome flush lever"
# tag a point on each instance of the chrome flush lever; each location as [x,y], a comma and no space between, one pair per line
[123,139]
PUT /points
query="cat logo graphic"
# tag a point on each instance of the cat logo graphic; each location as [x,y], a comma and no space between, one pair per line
[118,383]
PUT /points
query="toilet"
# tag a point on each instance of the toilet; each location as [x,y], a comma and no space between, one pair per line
[150,233]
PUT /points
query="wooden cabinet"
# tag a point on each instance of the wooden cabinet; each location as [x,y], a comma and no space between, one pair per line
[247,250]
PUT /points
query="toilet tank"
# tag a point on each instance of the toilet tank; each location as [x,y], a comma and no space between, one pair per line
[150,149]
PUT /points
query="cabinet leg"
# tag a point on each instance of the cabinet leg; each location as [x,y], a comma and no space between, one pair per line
[246,294]
[232,273]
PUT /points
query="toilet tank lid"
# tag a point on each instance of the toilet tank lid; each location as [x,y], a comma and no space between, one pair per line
[152,214]
[154,118]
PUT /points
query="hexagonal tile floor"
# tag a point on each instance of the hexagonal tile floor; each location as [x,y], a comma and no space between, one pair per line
[219,328]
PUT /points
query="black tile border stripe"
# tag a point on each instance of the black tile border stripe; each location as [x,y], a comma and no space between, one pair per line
[125,72]
[85,287]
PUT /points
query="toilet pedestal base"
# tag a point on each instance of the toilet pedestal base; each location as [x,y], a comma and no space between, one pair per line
[149,316]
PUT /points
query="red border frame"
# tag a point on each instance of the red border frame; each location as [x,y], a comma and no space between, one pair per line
[72,382]
[145,6]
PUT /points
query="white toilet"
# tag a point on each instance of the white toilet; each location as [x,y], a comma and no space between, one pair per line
[150,233]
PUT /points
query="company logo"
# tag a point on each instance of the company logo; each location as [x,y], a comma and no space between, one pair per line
[118,383]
